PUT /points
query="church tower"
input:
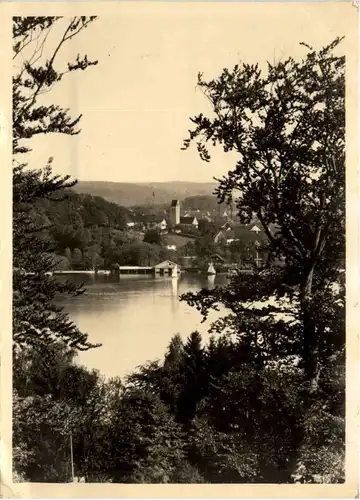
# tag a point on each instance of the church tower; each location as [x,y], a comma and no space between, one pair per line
[175,213]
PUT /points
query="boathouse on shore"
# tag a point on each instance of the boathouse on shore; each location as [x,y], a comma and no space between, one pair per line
[166,267]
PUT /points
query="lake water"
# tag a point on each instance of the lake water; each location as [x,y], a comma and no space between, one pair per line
[135,317]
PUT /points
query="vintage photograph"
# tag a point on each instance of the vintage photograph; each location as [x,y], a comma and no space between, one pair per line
[179,246]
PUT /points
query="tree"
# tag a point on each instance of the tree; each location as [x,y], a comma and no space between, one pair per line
[55,398]
[67,254]
[195,378]
[153,236]
[38,324]
[146,444]
[187,230]
[139,254]
[288,128]
[204,248]
[92,258]
[244,250]
[207,228]
[36,321]
[36,77]
[188,248]
[245,429]
[172,376]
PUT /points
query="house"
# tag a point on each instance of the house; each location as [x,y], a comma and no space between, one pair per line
[161,224]
[230,225]
[136,222]
[231,232]
[227,226]
[166,267]
[166,264]
[225,237]
[220,238]
[155,222]
[148,221]
[189,221]
[217,259]
[255,228]
[171,247]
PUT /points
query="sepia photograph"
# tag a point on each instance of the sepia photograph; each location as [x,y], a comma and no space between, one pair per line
[179,244]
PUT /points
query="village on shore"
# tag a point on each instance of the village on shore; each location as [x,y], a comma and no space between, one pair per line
[204,240]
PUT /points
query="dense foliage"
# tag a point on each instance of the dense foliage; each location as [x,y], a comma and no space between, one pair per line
[287,126]
[82,228]
[36,321]
[207,413]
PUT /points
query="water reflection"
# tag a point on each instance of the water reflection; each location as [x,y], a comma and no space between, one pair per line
[135,317]
[174,287]
[211,281]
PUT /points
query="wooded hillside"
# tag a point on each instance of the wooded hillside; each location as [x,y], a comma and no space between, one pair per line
[129,194]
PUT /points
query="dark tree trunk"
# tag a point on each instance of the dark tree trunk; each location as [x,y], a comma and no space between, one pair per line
[311,336]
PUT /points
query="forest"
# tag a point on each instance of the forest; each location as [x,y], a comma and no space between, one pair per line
[88,232]
[261,399]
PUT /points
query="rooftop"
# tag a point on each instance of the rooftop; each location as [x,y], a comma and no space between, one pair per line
[187,220]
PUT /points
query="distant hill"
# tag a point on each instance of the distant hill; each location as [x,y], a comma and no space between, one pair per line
[130,194]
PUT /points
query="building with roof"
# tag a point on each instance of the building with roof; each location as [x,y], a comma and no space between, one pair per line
[229,233]
[148,221]
[189,221]
[166,267]
[161,224]
[175,212]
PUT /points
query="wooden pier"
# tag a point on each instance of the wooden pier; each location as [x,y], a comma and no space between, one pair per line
[134,270]
[161,269]
[164,268]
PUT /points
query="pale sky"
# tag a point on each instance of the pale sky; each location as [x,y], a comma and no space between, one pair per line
[137,101]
